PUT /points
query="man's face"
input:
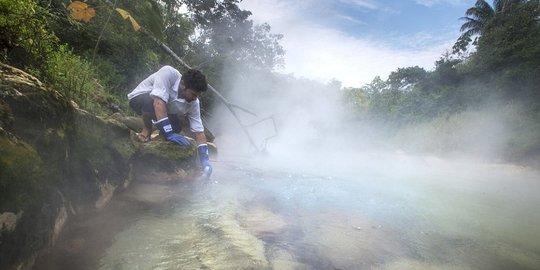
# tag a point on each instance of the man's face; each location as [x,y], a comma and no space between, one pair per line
[188,94]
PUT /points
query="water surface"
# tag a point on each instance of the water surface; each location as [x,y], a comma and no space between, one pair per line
[425,213]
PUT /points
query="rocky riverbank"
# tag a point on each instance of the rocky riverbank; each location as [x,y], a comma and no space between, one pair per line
[58,161]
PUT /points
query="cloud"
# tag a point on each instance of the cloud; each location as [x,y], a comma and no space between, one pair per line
[321,52]
[350,19]
[325,54]
[361,3]
[430,3]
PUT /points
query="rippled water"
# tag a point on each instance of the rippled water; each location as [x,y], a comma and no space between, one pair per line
[441,216]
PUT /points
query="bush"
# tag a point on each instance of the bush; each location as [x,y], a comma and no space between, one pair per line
[26,40]
[77,79]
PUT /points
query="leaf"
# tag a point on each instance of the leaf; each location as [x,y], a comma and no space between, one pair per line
[126,15]
[81,11]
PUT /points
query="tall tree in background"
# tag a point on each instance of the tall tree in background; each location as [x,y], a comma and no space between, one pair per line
[509,52]
[226,36]
[477,18]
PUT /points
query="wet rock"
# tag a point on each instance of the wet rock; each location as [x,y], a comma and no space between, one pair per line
[59,223]
[136,124]
[160,149]
[410,264]
[8,221]
[107,191]
[260,220]
[284,260]
[133,123]
[371,245]
[58,157]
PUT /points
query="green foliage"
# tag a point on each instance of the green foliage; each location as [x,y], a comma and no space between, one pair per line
[227,37]
[213,36]
[445,107]
[70,74]
[149,14]
[78,80]
[356,100]
[26,40]
[510,38]
[482,16]
[524,142]
[499,130]
[508,54]
[405,79]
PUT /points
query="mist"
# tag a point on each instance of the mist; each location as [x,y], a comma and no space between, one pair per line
[324,190]
[311,129]
[442,185]
[315,132]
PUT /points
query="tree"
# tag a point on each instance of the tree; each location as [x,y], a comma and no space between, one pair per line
[227,36]
[405,79]
[26,38]
[477,18]
[509,52]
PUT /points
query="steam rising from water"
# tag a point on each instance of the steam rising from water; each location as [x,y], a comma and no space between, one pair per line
[322,197]
[315,132]
[308,115]
[464,203]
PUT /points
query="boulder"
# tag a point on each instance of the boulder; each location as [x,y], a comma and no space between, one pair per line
[57,161]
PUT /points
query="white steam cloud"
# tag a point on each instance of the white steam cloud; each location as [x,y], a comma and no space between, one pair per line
[319,52]
[313,131]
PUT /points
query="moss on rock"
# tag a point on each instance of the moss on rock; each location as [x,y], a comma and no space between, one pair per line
[53,154]
[6,116]
[22,176]
[163,154]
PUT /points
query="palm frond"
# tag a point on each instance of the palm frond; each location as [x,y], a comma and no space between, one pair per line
[471,24]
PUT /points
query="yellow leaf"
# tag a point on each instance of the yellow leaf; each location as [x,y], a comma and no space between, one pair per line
[135,25]
[123,13]
[81,11]
[126,15]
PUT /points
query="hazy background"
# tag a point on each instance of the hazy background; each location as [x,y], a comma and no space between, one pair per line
[354,41]
[314,130]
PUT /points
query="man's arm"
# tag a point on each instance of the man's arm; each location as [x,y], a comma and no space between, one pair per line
[200,138]
[202,149]
[160,108]
[164,124]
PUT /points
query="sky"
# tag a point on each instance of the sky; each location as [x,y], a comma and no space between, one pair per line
[353,41]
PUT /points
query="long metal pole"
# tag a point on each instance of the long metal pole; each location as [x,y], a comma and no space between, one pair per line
[221,97]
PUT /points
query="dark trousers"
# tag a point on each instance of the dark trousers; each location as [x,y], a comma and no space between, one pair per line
[145,104]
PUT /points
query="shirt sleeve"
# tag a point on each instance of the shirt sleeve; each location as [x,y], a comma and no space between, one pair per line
[194,115]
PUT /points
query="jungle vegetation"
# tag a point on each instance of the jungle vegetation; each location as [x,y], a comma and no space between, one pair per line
[494,64]
[94,56]
[89,52]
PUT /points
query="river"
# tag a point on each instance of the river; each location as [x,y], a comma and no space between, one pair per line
[406,213]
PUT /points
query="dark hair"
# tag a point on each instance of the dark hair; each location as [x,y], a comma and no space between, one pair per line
[194,79]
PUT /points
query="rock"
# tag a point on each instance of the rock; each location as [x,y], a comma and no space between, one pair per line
[372,245]
[107,191]
[57,157]
[133,123]
[260,220]
[59,223]
[8,221]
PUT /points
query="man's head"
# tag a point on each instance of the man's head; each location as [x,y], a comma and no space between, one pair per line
[192,84]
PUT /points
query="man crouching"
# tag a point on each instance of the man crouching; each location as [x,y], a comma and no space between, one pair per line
[163,95]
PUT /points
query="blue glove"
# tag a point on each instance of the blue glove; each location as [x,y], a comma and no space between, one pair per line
[205,162]
[164,126]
